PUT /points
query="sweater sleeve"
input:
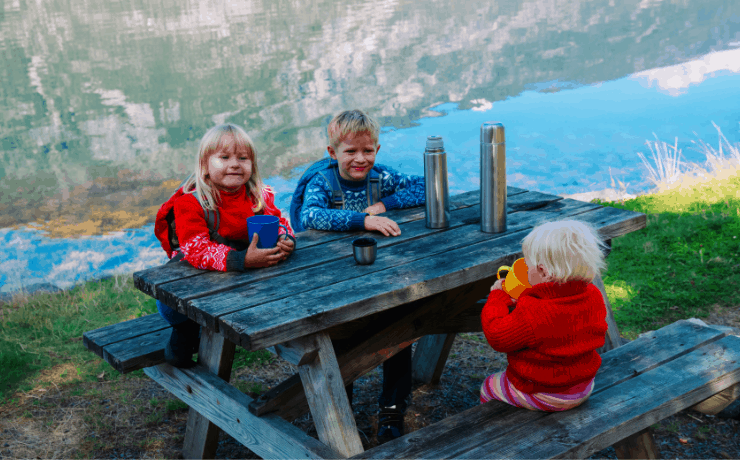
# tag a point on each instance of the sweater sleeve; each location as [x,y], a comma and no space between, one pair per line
[195,242]
[317,214]
[506,332]
[401,190]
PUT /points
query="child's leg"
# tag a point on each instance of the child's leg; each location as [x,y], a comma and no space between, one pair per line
[396,380]
[171,316]
[498,387]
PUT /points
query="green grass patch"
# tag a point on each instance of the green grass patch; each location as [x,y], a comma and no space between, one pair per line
[45,330]
[683,264]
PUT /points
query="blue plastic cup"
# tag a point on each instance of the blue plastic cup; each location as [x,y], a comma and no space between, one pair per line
[267,228]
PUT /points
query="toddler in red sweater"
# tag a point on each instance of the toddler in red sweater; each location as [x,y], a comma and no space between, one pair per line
[551,333]
[227,182]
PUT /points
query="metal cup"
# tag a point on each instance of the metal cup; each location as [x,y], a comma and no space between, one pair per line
[365,250]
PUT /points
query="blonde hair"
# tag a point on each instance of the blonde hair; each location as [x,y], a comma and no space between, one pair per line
[351,122]
[214,140]
[568,249]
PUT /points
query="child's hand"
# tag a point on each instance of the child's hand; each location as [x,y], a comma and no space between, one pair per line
[498,285]
[382,224]
[261,257]
[286,247]
[377,208]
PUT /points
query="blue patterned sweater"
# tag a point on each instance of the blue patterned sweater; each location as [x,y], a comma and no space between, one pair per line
[396,191]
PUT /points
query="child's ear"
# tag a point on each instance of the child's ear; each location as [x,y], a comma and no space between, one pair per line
[332,153]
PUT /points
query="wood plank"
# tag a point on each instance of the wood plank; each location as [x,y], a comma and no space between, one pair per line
[608,416]
[97,339]
[430,356]
[275,322]
[208,309]
[148,280]
[612,339]
[717,403]
[327,398]
[639,445]
[304,261]
[268,436]
[138,352]
[387,334]
[216,355]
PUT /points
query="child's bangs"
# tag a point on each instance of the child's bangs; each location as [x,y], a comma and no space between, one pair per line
[228,137]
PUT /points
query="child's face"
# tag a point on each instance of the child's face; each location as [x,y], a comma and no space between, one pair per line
[230,167]
[355,155]
[536,275]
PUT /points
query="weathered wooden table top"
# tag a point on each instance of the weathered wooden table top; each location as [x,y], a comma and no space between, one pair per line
[320,285]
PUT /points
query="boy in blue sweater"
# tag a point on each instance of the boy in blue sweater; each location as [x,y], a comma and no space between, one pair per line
[367,190]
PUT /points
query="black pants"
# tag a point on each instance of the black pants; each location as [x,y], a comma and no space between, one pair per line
[396,381]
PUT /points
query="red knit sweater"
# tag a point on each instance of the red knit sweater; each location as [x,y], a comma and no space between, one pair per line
[551,337]
[233,208]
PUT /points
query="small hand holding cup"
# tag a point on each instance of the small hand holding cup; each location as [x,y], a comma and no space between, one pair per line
[257,257]
[286,246]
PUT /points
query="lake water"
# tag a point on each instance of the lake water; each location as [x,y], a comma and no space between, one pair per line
[103,103]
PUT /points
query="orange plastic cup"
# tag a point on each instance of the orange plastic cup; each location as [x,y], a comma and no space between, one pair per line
[517,280]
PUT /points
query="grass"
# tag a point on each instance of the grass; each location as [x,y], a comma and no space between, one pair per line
[684,264]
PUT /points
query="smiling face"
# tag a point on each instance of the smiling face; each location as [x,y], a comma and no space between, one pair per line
[230,167]
[355,155]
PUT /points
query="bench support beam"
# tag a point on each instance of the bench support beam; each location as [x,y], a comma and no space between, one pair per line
[327,398]
[715,404]
[201,436]
[639,445]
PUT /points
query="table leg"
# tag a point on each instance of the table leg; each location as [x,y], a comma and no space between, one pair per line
[327,399]
[430,357]
[217,355]
[613,340]
[639,445]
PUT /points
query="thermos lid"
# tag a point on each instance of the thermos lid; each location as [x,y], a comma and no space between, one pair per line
[435,144]
[492,132]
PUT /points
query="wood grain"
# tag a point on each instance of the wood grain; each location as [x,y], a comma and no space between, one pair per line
[268,436]
[216,355]
[430,356]
[327,398]
[307,260]
[476,256]
[97,339]
[639,445]
[608,416]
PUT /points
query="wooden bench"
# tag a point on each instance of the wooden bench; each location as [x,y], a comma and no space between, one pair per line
[638,384]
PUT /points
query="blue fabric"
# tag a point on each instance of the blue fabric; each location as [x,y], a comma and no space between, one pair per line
[171,316]
[396,191]
[297,201]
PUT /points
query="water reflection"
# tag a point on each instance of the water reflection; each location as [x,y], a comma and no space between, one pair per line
[102,105]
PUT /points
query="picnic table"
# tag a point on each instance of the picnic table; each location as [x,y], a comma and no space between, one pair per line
[336,320]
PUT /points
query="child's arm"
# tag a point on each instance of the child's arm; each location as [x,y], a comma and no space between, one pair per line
[401,190]
[506,332]
[316,212]
[203,253]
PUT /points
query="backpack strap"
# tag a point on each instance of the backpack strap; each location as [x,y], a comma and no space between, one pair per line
[337,196]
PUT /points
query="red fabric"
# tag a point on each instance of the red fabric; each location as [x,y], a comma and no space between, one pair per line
[234,209]
[551,337]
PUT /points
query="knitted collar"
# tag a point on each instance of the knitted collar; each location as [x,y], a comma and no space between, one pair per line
[553,290]
[356,185]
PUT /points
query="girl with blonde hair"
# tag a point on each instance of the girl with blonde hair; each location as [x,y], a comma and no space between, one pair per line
[551,333]
[226,183]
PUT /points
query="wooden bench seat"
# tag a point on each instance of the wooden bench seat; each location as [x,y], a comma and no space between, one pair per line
[130,345]
[638,384]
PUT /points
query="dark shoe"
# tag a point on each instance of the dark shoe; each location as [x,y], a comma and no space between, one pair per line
[184,341]
[390,424]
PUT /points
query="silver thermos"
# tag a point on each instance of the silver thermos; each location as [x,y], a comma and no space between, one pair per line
[435,184]
[492,178]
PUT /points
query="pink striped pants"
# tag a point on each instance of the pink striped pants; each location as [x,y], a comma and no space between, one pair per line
[497,386]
